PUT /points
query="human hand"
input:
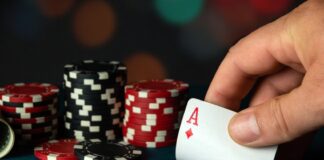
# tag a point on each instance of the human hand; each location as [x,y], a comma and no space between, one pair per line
[288,56]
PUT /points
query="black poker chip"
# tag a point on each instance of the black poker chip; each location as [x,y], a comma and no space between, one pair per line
[92,83]
[104,95]
[93,108]
[94,69]
[73,104]
[92,128]
[82,102]
[88,123]
[84,134]
[92,135]
[106,150]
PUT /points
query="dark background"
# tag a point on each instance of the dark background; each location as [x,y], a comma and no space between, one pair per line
[179,39]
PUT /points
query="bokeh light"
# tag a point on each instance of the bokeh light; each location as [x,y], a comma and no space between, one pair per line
[55,8]
[238,14]
[271,7]
[198,44]
[201,40]
[94,23]
[143,65]
[178,11]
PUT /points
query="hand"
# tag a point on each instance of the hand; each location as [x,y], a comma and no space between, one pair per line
[288,56]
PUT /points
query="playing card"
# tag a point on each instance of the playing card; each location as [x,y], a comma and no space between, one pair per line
[204,134]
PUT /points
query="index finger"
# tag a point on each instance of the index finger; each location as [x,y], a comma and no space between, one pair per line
[260,53]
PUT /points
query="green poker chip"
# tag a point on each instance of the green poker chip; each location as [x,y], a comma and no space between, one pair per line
[7,138]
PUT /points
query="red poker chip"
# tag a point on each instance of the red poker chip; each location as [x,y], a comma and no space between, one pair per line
[28,92]
[27,110]
[150,122]
[160,100]
[31,120]
[36,130]
[154,106]
[150,138]
[149,135]
[133,131]
[157,88]
[148,144]
[56,149]
[146,128]
[161,117]
[161,111]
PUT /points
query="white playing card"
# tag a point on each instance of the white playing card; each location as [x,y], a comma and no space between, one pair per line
[204,135]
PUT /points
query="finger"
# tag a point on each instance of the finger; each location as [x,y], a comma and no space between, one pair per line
[254,56]
[280,119]
[276,84]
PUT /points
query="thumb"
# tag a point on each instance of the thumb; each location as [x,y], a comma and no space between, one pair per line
[278,120]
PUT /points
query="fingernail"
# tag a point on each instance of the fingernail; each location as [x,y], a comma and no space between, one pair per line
[244,128]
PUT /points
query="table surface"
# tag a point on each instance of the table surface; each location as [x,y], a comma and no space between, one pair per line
[314,152]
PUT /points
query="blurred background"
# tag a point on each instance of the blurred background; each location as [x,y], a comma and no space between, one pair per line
[180,39]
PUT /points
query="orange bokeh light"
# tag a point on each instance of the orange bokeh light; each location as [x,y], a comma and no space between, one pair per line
[54,8]
[94,23]
[143,65]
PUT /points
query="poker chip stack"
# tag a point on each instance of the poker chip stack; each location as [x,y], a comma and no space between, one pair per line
[94,99]
[31,111]
[105,150]
[153,111]
[62,149]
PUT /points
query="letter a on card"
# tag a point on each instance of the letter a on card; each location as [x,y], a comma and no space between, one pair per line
[194,117]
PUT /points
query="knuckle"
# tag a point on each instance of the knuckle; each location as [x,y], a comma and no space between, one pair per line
[280,120]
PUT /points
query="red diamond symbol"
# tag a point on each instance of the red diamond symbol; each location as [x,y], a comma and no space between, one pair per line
[189,133]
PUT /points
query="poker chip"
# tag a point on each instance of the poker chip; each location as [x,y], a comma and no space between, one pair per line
[154,116]
[148,128]
[31,120]
[27,110]
[30,126]
[94,99]
[150,144]
[7,138]
[36,130]
[27,92]
[85,135]
[158,136]
[56,150]
[91,150]
[34,136]
[157,88]
[31,110]
[156,133]
[94,69]
[153,111]
[133,98]
[29,104]
[49,112]
[150,138]
[149,122]
[141,110]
